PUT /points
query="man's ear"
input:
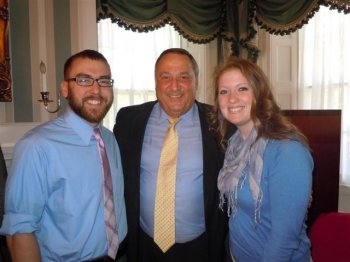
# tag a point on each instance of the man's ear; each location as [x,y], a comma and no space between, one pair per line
[64,88]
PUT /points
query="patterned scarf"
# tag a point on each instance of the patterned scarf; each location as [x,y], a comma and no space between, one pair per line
[243,158]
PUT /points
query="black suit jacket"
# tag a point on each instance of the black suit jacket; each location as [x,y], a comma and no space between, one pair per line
[129,130]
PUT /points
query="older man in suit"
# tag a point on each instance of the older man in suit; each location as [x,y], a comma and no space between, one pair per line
[200,226]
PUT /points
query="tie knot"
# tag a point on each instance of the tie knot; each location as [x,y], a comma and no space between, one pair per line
[97,133]
[173,121]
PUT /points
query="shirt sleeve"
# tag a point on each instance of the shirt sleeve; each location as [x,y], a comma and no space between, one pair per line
[290,182]
[25,194]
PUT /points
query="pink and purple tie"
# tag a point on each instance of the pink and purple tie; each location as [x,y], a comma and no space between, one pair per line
[109,212]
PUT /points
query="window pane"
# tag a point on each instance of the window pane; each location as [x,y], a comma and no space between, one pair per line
[324,72]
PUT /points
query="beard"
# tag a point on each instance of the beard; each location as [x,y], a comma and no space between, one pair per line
[92,115]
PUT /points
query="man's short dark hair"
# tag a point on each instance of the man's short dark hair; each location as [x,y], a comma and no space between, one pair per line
[87,53]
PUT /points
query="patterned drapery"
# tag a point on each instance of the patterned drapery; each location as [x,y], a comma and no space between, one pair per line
[201,21]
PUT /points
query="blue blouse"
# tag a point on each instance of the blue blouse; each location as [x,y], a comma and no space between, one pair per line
[286,186]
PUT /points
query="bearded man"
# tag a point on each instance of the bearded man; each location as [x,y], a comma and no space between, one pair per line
[56,195]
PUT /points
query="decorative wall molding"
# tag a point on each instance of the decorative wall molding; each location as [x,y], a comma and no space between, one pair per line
[10,134]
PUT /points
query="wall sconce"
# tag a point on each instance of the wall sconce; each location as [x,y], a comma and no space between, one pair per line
[45,99]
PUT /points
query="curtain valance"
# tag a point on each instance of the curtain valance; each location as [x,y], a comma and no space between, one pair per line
[199,21]
[283,16]
[341,5]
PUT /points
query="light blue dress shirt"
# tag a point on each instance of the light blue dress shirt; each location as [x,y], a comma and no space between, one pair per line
[189,198]
[55,190]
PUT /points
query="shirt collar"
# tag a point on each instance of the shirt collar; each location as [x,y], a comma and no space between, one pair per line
[189,116]
[80,126]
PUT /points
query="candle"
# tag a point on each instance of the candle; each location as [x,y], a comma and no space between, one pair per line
[43,76]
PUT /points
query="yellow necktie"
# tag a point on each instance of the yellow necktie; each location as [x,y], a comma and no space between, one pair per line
[164,211]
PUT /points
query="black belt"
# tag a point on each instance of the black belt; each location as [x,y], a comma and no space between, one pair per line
[121,252]
[103,259]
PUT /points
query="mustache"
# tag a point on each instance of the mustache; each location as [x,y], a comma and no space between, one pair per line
[93,97]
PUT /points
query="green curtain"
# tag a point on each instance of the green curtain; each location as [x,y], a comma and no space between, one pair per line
[239,28]
[283,16]
[286,16]
[201,21]
[198,21]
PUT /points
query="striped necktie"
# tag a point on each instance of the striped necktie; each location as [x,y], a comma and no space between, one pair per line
[109,212]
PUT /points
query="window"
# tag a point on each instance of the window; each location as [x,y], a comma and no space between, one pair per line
[324,66]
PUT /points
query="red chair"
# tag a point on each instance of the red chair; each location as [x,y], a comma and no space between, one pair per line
[330,238]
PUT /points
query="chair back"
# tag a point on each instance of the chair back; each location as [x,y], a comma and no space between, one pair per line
[330,238]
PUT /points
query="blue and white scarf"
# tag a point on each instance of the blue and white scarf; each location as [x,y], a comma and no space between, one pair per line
[243,158]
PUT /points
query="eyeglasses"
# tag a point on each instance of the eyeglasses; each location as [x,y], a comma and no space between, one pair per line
[88,81]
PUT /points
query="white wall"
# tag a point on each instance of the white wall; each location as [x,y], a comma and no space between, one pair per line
[83,25]
[10,134]
[344,198]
